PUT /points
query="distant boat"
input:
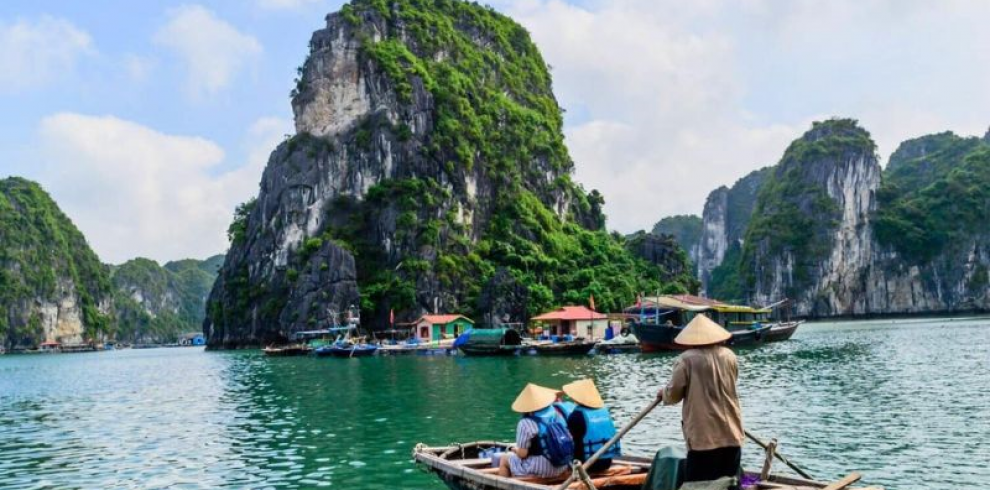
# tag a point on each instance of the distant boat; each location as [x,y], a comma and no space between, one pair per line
[286,350]
[571,348]
[490,342]
[782,331]
[662,319]
[346,349]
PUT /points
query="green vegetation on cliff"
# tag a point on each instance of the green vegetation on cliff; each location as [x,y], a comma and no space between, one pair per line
[935,195]
[159,303]
[685,228]
[793,214]
[44,258]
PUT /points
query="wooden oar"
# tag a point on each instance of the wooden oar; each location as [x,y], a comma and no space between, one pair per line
[845,482]
[779,456]
[611,442]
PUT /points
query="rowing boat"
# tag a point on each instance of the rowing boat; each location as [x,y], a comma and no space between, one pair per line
[573,348]
[782,331]
[462,467]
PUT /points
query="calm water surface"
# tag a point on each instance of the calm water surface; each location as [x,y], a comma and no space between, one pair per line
[905,402]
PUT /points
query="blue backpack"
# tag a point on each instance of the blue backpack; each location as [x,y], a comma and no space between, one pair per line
[556,442]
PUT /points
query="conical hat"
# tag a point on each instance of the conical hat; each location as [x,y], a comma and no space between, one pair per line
[584,392]
[534,398]
[702,331]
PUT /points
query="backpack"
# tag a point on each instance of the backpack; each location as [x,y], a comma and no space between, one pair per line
[556,441]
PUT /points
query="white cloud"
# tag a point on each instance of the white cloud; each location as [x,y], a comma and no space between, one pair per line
[213,50]
[670,99]
[286,4]
[664,124]
[37,53]
[133,190]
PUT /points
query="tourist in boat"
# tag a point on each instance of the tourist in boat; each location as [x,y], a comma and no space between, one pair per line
[704,378]
[526,458]
[591,425]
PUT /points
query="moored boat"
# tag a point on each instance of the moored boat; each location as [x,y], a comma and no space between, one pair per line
[662,318]
[490,342]
[782,331]
[286,350]
[570,348]
[463,467]
[347,349]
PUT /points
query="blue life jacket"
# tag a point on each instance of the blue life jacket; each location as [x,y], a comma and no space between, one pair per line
[553,440]
[600,429]
[565,408]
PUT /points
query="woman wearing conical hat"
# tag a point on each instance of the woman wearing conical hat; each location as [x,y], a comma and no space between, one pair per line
[591,425]
[704,378]
[528,456]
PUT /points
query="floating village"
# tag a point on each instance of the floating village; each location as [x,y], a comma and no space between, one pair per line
[650,325]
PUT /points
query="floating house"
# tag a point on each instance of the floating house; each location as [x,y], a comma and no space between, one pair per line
[192,339]
[50,346]
[576,321]
[434,328]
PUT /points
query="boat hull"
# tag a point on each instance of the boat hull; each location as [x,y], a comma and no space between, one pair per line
[782,331]
[494,350]
[660,338]
[564,349]
[617,348]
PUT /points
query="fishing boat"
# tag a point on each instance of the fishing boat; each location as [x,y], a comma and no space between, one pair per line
[782,331]
[287,350]
[464,467]
[347,349]
[577,347]
[489,342]
[662,318]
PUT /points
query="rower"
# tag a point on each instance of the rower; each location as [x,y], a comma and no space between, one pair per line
[591,425]
[704,378]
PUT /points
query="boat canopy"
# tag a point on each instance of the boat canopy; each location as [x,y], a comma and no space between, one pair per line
[690,303]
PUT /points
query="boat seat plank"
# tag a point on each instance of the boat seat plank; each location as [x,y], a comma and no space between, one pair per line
[472,463]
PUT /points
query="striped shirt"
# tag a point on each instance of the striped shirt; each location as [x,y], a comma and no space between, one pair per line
[526,435]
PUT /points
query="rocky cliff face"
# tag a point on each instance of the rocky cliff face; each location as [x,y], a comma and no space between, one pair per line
[838,237]
[157,304]
[810,239]
[52,285]
[724,222]
[428,168]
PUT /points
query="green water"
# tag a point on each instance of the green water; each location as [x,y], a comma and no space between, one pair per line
[904,402]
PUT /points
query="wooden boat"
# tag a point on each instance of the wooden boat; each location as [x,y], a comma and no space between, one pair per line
[662,318]
[606,348]
[461,467]
[572,348]
[347,349]
[782,331]
[490,342]
[286,350]
[655,338]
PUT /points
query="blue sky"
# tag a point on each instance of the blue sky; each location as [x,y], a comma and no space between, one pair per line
[149,121]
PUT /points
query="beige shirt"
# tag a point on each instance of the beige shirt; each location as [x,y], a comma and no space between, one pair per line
[705,379]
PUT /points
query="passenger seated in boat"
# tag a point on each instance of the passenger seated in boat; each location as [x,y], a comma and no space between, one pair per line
[527,458]
[591,425]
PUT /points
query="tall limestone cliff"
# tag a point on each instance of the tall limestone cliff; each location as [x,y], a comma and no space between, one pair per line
[809,238]
[724,221]
[427,172]
[52,286]
[838,237]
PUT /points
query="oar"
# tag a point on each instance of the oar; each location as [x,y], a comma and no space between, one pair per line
[779,456]
[611,442]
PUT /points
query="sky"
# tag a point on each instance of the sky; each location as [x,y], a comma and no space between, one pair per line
[149,121]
